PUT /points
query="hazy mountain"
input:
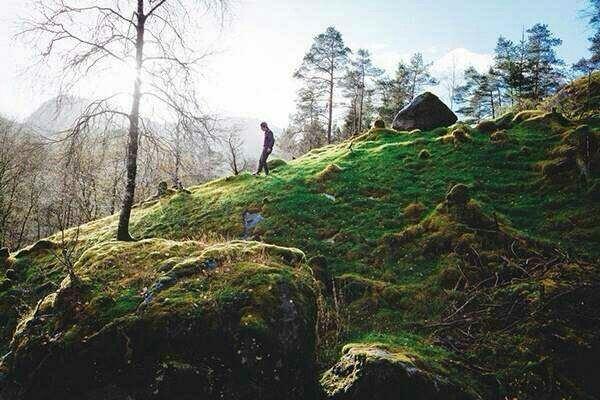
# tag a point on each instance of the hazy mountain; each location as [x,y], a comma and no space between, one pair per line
[56,115]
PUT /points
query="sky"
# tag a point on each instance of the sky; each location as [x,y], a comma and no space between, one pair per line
[263,41]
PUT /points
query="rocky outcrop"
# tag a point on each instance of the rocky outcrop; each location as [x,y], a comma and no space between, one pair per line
[425,112]
[376,372]
[159,319]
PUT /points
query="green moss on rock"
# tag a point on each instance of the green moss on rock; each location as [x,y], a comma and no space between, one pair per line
[244,310]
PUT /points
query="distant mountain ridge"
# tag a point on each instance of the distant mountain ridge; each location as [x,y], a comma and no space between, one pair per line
[59,114]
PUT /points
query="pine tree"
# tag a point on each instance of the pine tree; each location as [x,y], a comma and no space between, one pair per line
[509,69]
[322,66]
[595,39]
[418,75]
[479,97]
[306,130]
[543,65]
[359,80]
[393,93]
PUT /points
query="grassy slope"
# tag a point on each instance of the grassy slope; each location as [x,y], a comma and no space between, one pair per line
[374,183]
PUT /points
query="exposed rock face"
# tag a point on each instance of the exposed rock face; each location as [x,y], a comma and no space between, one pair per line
[374,372]
[228,321]
[425,112]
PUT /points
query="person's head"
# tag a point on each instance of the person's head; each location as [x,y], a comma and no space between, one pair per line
[264,126]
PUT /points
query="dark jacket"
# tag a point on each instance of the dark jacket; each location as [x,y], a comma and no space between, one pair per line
[269,140]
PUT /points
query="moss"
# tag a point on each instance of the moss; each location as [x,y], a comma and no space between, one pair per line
[526,115]
[401,273]
[424,154]
[38,248]
[486,126]
[579,99]
[414,211]
[328,173]
[276,163]
[499,137]
[457,135]
[254,297]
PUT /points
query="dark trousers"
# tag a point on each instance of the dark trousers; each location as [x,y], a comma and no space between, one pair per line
[262,163]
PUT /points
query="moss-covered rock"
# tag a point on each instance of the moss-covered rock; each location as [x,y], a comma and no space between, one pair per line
[38,248]
[414,211]
[499,137]
[377,371]
[328,173]
[505,121]
[166,319]
[276,163]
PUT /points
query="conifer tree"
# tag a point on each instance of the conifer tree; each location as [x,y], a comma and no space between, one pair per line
[323,67]
[543,65]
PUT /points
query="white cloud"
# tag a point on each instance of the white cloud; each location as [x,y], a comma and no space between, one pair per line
[461,59]
[457,61]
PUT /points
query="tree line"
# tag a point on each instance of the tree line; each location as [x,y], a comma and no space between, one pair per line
[336,81]
[330,70]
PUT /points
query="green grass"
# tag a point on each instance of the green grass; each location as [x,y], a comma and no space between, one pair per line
[373,180]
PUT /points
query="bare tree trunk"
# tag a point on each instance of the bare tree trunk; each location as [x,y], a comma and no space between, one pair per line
[329,121]
[362,99]
[134,131]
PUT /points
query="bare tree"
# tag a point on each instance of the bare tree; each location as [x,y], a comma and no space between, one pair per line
[451,80]
[91,38]
[21,185]
[235,156]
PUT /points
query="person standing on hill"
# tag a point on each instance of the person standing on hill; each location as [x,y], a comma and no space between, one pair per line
[268,144]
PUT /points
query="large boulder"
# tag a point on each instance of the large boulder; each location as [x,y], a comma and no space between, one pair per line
[376,372]
[159,319]
[425,112]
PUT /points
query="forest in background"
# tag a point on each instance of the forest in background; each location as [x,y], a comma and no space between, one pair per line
[54,180]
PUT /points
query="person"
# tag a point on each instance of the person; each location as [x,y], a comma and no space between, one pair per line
[268,144]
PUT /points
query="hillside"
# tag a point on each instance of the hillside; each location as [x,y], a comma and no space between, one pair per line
[455,263]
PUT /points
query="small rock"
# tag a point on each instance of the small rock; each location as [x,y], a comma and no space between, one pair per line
[458,195]
[330,197]
[250,220]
